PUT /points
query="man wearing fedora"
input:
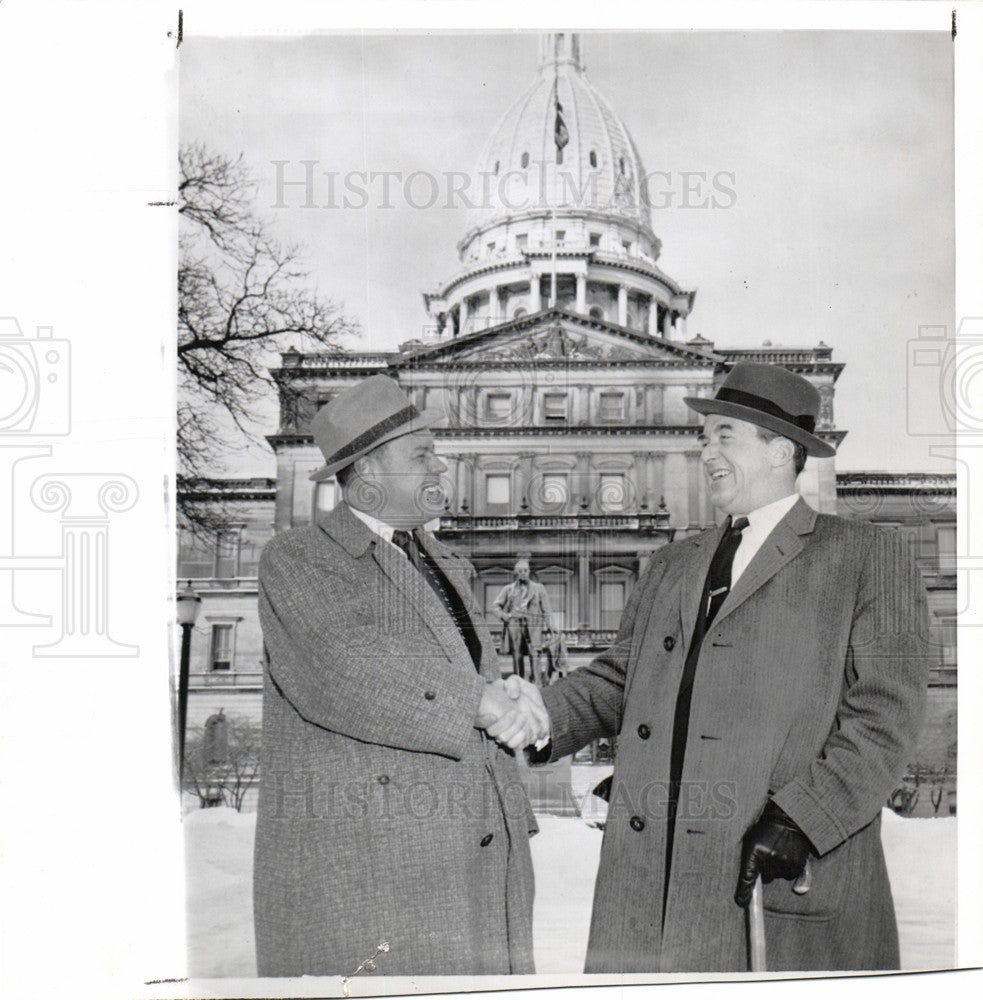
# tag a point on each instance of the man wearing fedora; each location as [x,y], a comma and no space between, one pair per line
[767,685]
[391,827]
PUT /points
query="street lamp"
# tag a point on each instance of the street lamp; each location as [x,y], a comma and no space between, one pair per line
[188,606]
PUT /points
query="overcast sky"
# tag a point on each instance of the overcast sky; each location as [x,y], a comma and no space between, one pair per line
[839,143]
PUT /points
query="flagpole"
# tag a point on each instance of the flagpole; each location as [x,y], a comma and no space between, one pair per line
[553,275]
[556,106]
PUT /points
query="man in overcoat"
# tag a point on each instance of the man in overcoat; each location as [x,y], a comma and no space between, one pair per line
[767,685]
[524,607]
[390,828]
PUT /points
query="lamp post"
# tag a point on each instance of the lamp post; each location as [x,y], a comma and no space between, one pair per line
[188,606]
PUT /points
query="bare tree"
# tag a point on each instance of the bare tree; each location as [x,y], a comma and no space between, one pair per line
[241,295]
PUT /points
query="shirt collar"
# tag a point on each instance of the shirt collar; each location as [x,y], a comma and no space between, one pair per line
[383,530]
[764,519]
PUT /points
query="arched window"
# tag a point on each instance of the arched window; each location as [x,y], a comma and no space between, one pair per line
[593,158]
[496,167]
[519,313]
[524,162]
[621,165]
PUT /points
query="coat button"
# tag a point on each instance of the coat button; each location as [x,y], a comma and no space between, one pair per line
[637,823]
[644,731]
[383,779]
[429,695]
[487,839]
[669,643]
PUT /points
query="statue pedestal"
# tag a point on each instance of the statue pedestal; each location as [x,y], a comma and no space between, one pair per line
[548,786]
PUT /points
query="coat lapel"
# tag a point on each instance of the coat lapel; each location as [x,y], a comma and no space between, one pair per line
[358,539]
[783,544]
[456,573]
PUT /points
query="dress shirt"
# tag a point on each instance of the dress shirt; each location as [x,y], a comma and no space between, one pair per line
[383,530]
[761,523]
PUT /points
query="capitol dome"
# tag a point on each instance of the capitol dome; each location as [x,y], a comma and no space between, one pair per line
[562,219]
[561,147]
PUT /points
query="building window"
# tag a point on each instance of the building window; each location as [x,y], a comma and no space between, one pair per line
[947,639]
[560,236]
[612,494]
[498,492]
[595,239]
[222,646]
[524,162]
[612,601]
[553,493]
[626,246]
[227,555]
[522,241]
[612,406]
[491,247]
[555,407]
[496,167]
[498,406]
[593,158]
[945,536]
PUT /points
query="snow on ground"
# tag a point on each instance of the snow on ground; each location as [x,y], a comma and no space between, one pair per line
[921,859]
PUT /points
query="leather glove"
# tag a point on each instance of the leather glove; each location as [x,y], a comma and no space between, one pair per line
[774,847]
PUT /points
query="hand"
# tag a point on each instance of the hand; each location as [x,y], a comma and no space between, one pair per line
[774,847]
[510,721]
[519,689]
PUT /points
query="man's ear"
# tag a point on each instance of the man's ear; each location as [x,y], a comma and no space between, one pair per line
[782,452]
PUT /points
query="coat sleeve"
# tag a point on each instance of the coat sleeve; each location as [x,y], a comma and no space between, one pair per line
[330,657]
[587,703]
[881,703]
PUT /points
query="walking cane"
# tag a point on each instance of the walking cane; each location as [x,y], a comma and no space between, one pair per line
[756,930]
[756,918]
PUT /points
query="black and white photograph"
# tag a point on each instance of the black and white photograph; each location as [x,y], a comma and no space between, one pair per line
[564,558]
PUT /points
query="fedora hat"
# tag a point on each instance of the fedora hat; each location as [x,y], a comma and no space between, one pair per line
[772,397]
[360,419]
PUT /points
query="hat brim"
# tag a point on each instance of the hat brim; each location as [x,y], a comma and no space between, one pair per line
[428,418]
[814,446]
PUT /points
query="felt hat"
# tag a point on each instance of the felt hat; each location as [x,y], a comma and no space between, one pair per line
[361,418]
[772,397]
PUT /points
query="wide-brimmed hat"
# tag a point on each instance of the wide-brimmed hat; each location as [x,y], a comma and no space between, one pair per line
[361,418]
[772,397]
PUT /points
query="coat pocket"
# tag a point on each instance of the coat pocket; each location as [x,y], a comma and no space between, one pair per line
[832,875]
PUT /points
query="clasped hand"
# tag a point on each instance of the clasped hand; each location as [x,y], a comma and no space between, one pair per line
[512,713]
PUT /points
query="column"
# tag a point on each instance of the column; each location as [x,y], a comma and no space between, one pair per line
[581,483]
[499,310]
[524,479]
[583,589]
[582,294]
[463,320]
[623,305]
[667,324]
[463,488]
[680,327]
[534,302]
[653,317]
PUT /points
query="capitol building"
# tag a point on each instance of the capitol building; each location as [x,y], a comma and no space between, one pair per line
[560,353]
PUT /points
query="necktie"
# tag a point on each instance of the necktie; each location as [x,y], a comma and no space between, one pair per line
[442,587]
[715,590]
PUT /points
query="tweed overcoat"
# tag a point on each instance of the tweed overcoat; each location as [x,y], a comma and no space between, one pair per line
[809,689]
[384,815]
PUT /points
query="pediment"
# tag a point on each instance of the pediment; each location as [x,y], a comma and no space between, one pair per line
[557,335]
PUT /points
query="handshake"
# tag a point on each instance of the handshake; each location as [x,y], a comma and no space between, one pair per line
[512,713]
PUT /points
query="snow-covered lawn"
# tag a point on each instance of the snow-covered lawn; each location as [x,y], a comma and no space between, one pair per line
[921,857]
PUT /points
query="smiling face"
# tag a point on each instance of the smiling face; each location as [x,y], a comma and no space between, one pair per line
[399,482]
[744,471]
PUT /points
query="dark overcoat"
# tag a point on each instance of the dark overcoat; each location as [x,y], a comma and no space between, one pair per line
[809,689]
[384,815]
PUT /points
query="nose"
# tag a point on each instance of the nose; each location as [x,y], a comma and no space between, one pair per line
[437,465]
